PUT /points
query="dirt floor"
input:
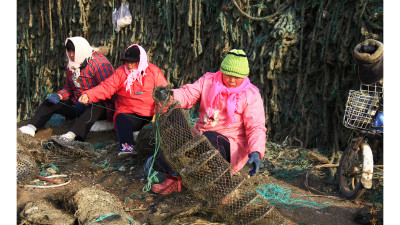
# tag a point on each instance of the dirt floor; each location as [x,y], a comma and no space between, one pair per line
[125,179]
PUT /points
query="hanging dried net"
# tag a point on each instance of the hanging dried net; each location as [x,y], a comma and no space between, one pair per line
[231,196]
[300,52]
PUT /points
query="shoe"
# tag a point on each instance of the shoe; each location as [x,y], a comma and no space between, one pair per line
[28,129]
[127,151]
[170,185]
[67,137]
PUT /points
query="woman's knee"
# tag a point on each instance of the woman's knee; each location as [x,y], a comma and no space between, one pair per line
[122,118]
[211,134]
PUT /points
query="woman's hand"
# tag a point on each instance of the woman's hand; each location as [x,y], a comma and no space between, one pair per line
[84,99]
[171,100]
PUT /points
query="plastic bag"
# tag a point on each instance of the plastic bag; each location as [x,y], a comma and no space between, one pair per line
[121,17]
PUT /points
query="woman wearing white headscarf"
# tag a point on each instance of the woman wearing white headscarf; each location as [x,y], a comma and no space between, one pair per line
[85,70]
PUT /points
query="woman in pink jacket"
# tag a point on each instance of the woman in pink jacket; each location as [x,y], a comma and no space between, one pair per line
[231,114]
[133,84]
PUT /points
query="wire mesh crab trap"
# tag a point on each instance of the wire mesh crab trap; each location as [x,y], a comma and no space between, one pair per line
[361,107]
[207,175]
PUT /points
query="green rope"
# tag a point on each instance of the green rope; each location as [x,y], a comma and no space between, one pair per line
[43,170]
[93,104]
[127,199]
[108,215]
[100,145]
[105,164]
[282,196]
[91,114]
[152,176]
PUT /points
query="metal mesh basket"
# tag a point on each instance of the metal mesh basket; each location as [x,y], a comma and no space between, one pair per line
[207,174]
[360,109]
[375,89]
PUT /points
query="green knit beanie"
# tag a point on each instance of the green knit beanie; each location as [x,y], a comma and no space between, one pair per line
[235,64]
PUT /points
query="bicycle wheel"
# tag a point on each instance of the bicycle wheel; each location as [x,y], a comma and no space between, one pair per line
[350,170]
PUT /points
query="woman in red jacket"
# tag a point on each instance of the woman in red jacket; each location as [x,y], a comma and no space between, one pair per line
[133,84]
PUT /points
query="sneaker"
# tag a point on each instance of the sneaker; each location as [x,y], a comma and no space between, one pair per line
[68,137]
[28,129]
[170,185]
[127,151]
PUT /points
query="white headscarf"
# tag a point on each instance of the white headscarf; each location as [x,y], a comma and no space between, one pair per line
[83,51]
[139,73]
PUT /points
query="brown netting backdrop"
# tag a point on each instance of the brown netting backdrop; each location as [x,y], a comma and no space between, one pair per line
[299,51]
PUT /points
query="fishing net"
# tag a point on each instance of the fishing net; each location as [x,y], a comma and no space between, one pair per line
[43,212]
[75,205]
[29,155]
[27,168]
[62,152]
[145,143]
[228,194]
[94,206]
[32,152]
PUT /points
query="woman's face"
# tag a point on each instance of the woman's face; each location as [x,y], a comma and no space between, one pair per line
[231,81]
[71,55]
[131,65]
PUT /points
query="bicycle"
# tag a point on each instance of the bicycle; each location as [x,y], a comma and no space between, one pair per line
[363,114]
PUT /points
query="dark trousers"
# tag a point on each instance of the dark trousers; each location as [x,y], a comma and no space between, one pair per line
[126,124]
[219,141]
[85,118]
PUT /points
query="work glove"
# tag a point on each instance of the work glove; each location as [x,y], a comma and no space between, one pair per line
[163,94]
[79,108]
[54,98]
[255,160]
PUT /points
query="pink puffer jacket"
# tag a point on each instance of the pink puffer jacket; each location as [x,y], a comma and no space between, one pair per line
[246,135]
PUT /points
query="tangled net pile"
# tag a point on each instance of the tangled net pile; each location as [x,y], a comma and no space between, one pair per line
[72,204]
[86,206]
[31,153]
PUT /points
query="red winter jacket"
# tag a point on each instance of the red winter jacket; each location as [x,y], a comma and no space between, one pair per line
[139,100]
